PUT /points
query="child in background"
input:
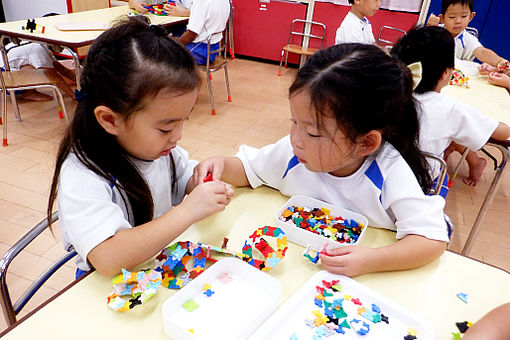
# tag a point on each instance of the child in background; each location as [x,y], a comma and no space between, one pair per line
[181,8]
[355,27]
[206,17]
[355,153]
[119,166]
[493,326]
[445,119]
[455,16]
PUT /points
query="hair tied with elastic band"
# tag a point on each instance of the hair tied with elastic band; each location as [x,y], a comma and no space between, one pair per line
[79,95]
[416,70]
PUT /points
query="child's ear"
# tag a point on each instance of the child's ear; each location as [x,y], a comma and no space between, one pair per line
[441,18]
[472,16]
[109,120]
[369,143]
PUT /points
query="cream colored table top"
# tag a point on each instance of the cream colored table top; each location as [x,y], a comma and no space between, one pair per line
[75,38]
[430,291]
[492,100]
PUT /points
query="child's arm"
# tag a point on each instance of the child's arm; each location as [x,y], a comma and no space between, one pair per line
[489,56]
[502,132]
[410,252]
[228,169]
[493,326]
[138,6]
[187,37]
[131,247]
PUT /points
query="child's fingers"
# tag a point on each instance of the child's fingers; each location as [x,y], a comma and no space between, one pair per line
[344,250]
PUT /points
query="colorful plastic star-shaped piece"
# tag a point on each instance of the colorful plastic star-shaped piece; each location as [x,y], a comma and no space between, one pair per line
[356,301]
[384,318]
[208,292]
[456,336]
[463,297]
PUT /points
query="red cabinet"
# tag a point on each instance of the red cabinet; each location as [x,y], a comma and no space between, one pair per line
[261,29]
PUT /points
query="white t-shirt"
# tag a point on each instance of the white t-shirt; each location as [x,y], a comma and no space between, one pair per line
[465,45]
[91,211]
[354,30]
[384,189]
[28,54]
[208,17]
[444,119]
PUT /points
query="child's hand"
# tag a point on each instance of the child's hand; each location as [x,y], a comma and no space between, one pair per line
[348,260]
[138,6]
[207,199]
[175,11]
[433,20]
[499,79]
[485,69]
[214,165]
[503,65]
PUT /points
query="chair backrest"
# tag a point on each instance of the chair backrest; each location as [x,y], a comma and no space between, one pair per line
[389,35]
[307,29]
[11,310]
[86,5]
[472,31]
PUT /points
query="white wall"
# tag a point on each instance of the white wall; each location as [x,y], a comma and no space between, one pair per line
[29,9]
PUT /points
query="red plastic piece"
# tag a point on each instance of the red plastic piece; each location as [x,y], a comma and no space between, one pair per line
[1,122]
[279,73]
[210,76]
[229,99]
[60,114]
[214,112]
[4,142]
[208,178]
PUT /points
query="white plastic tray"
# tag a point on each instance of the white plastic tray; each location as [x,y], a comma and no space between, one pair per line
[233,312]
[290,318]
[305,237]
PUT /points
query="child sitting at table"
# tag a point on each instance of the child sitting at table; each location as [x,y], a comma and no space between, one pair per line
[180,9]
[445,119]
[355,153]
[206,18]
[119,166]
[355,28]
[455,16]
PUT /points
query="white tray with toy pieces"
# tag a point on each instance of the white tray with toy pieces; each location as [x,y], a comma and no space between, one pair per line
[228,301]
[316,241]
[328,302]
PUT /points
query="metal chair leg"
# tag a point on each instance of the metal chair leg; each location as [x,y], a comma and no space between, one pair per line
[493,188]
[4,117]
[15,105]
[280,67]
[227,82]
[211,97]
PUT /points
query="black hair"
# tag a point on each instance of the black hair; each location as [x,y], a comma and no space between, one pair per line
[126,66]
[434,47]
[365,89]
[447,3]
[351,1]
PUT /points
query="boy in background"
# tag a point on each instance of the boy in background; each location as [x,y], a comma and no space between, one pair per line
[455,17]
[444,119]
[355,27]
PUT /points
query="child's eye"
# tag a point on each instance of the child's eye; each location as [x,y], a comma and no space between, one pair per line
[313,135]
[293,121]
[165,131]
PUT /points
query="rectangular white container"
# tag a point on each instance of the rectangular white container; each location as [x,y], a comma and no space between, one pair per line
[305,237]
[233,312]
[290,317]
